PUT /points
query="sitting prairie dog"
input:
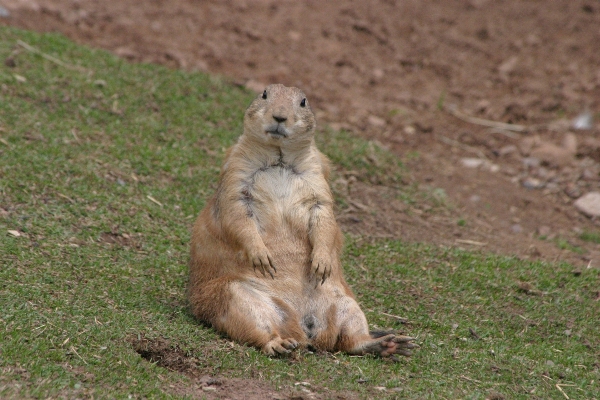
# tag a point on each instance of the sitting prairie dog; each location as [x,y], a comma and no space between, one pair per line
[265,252]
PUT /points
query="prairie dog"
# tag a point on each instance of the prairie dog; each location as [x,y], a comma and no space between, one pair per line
[265,251]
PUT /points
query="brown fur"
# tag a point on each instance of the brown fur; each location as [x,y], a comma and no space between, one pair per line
[265,252]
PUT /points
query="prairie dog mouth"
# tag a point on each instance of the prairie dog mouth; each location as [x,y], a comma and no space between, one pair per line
[277,130]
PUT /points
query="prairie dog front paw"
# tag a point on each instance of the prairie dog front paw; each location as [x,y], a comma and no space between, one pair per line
[321,265]
[260,258]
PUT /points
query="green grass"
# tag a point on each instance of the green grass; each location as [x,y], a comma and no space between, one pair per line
[93,262]
[592,237]
[564,244]
[363,159]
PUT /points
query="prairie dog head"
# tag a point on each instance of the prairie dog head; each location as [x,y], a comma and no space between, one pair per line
[279,116]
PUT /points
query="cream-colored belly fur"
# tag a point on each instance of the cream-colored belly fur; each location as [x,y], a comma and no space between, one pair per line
[278,203]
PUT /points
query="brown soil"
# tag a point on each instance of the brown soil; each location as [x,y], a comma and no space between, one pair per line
[395,72]
[164,354]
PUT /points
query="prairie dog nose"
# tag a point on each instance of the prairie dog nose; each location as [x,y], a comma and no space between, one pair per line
[279,118]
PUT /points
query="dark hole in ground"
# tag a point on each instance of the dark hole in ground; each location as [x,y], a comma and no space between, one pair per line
[162,353]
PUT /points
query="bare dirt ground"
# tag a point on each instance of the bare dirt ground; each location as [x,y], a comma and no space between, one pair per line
[407,74]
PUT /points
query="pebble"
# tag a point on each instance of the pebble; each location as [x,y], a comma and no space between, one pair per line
[542,173]
[572,190]
[589,204]
[378,73]
[472,162]
[4,13]
[590,175]
[410,130]
[583,121]
[511,148]
[376,121]
[531,162]
[533,183]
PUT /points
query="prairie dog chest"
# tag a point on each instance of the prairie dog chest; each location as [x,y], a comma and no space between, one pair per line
[282,187]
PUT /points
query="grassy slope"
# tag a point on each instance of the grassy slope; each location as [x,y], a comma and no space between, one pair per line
[82,153]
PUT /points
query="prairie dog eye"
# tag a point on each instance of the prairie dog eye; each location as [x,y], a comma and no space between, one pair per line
[303,103]
[264,96]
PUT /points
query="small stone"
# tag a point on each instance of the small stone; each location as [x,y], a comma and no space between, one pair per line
[583,121]
[472,162]
[508,66]
[511,148]
[209,389]
[542,173]
[378,73]
[482,105]
[589,175]
[550,363]
[376,121]
[572,190]
[531,162]
[4,13]
[475,198]
[589,204]
[516,228]
[533,183]
[410,130]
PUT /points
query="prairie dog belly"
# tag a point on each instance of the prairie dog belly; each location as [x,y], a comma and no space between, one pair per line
[281,201]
